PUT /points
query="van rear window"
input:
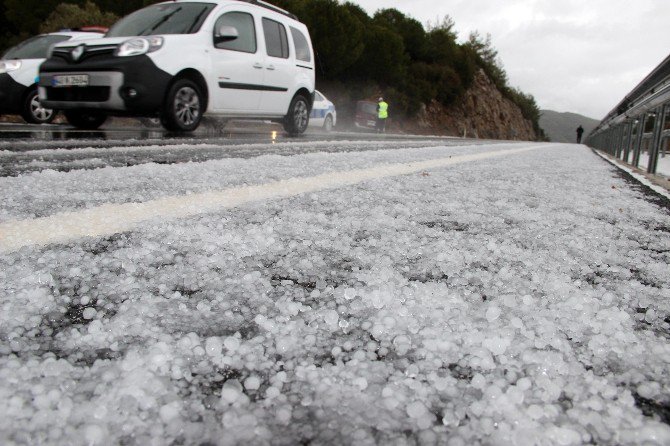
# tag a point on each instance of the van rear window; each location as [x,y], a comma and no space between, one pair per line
[301,46]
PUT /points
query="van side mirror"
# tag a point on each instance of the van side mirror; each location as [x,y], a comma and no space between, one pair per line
[225,33]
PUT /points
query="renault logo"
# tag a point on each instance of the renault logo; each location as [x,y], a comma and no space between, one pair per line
[78,52]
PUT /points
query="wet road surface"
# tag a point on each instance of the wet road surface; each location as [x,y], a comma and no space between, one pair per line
[28,148]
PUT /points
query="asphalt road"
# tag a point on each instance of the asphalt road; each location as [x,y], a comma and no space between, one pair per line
[30,148]
[18,137]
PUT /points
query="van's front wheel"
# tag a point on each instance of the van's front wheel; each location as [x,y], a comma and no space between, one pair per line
[183,107]
[297,118]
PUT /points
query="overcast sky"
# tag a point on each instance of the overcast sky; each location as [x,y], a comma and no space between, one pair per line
[580,56]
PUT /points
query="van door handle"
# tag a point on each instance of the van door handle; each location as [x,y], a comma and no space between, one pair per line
[258,65]
[270,67]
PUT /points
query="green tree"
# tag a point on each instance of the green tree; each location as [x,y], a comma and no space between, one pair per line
[383,59]
[488,58]
[68,15]
[337,35]
[7,28]
[410,30]
[123,8]
[20,19]
[434,81]
[357,12]
[443,46]
[28,15]
[336,31]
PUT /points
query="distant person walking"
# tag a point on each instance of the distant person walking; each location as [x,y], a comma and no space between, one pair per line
[580,132]
[382,115]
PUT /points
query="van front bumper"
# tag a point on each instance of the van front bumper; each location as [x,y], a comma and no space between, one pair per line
[118,85]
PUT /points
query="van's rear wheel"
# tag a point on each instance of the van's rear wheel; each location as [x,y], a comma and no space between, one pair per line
[85,120]
[183,107]
[33,112]
[297,118]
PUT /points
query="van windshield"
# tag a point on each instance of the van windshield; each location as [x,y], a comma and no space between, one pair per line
[34,48]
[165,18]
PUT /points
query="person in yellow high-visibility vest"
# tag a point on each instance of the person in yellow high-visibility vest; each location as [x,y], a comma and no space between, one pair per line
[382,115]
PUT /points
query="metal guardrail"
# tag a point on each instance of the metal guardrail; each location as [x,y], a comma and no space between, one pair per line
[637,130]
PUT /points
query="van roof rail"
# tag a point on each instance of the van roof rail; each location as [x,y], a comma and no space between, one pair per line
[271,7]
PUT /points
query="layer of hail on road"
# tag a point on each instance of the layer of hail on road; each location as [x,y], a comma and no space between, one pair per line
[110,219]
[518,299]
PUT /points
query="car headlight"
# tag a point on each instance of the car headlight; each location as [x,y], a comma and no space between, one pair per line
[9,65]
[139,46]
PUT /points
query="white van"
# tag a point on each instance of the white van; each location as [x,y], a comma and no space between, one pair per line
[178,60]
[18,70]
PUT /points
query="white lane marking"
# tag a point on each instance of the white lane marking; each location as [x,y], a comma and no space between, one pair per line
[110,219]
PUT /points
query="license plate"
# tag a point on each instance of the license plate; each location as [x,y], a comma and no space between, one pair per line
[70,80]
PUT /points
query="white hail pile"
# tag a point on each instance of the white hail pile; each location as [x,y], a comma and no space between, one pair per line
[522,300]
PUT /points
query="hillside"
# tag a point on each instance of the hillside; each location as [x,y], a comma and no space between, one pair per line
[482,111]
[561,127]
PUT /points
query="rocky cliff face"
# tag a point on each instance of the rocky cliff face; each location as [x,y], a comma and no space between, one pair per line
[483,112]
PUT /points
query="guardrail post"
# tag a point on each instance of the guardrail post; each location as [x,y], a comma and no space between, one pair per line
[629,137]
[665,133]
[638,140]
[619,140]
[656,140]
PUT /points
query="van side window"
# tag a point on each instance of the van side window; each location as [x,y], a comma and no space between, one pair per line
[301,46]
[244,23]
[276,41]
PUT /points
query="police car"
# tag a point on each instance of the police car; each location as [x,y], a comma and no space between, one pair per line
[18,72]
[323,113]
[181,59]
